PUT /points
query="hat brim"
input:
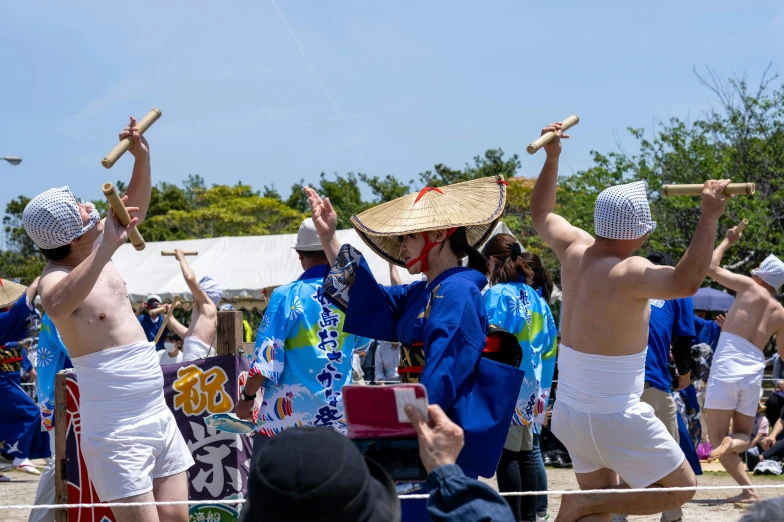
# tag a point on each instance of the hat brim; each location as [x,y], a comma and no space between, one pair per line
[308,248]
[10,292]
[476,205]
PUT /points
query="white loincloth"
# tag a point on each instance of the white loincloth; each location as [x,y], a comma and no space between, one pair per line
[128,434]
[194,349]
[735,380]
[598,416]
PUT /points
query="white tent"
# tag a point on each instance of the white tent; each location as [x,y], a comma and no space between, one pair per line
[245,267]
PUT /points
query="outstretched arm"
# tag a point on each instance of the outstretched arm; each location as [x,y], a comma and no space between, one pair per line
[177,327]
[61,293]
[325,220]
[724,277]
[554,229]
[140,186]
[394,276]
[200,297]
[649,281]
[32,290]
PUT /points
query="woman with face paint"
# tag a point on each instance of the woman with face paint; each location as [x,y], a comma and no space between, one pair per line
[441,322]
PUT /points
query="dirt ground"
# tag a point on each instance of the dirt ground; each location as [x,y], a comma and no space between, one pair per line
[706,507]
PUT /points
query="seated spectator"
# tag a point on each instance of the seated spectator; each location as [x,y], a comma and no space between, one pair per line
[314,472]
[772,445]
[172,352]
[775,404]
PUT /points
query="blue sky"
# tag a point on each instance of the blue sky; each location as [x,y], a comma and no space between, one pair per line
[382,88]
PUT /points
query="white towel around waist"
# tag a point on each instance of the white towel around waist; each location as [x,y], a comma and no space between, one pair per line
[194,349]
[737,359]
[600,384]
[119,385]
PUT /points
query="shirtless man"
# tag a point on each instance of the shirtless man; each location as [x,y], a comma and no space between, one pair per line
[130,442]
[735,379]
[606,293]
[197,337]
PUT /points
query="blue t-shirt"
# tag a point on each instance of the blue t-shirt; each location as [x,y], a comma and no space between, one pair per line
[151,328]
[669,319]
[707,332]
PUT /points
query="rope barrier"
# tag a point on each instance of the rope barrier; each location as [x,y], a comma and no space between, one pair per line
[401,497]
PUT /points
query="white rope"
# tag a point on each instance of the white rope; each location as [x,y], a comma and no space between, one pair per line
[401,497]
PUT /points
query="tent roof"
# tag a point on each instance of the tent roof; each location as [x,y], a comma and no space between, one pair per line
[243,266]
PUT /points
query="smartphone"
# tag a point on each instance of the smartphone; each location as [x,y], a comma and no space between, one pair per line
[399,456]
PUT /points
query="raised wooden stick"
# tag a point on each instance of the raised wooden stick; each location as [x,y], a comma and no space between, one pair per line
[742,226]
[122,215]
[166,320]
[172,253]
[125,143]
[547,137]
[736,189]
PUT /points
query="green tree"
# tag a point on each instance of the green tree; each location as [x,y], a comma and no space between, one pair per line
[491,163]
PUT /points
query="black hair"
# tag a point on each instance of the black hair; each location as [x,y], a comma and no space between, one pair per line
[542,277]
[56,254]
[312,254]
[458,242]
[509,266]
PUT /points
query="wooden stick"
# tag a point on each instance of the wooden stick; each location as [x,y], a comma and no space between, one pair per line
[547,137]
[125,143]
[157,310]
[166,320]
[742,226]
[122,215]
[736,189]
[187,253]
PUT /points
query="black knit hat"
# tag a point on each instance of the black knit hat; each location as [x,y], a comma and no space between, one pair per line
[316,474]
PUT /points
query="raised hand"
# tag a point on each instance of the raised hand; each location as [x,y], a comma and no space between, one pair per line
[440,439]
[734,234]
[139,148]
[179,254]
[714,200]
[325,219]
[114,234]
[554,147]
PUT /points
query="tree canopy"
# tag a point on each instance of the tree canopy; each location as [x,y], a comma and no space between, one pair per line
[742,138]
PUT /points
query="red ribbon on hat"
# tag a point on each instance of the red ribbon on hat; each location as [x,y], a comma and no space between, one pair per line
[425,191]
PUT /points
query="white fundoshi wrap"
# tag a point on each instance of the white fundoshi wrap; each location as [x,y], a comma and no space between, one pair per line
[622,212]
[52,218]
[771,271]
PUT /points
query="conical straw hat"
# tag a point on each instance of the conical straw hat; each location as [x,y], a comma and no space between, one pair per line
[476,205]
[10,292]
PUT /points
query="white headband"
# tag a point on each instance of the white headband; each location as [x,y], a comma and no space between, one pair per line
[622,212]
[52,218]
[771,271]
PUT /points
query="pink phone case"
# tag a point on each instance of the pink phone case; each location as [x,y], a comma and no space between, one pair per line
[374,412]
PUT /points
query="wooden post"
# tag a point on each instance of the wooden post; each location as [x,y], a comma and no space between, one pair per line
[60,460]
[230,338]
[249,348]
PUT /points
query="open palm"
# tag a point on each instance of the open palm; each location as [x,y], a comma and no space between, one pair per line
[325,219]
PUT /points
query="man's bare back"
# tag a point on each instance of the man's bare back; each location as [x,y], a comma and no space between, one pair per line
[599,317]
[756,315]
[105,319]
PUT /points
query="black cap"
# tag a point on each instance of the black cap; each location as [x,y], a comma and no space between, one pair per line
[660,258]
[314,473]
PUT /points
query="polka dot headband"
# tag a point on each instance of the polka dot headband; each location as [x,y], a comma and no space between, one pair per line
[52,218]
[622,212]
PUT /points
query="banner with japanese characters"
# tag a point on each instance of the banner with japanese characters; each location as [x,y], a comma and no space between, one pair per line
[193,390]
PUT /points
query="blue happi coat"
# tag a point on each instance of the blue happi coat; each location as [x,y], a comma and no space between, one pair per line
[21,432]
[445,317]
[520,309]
[305,357]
